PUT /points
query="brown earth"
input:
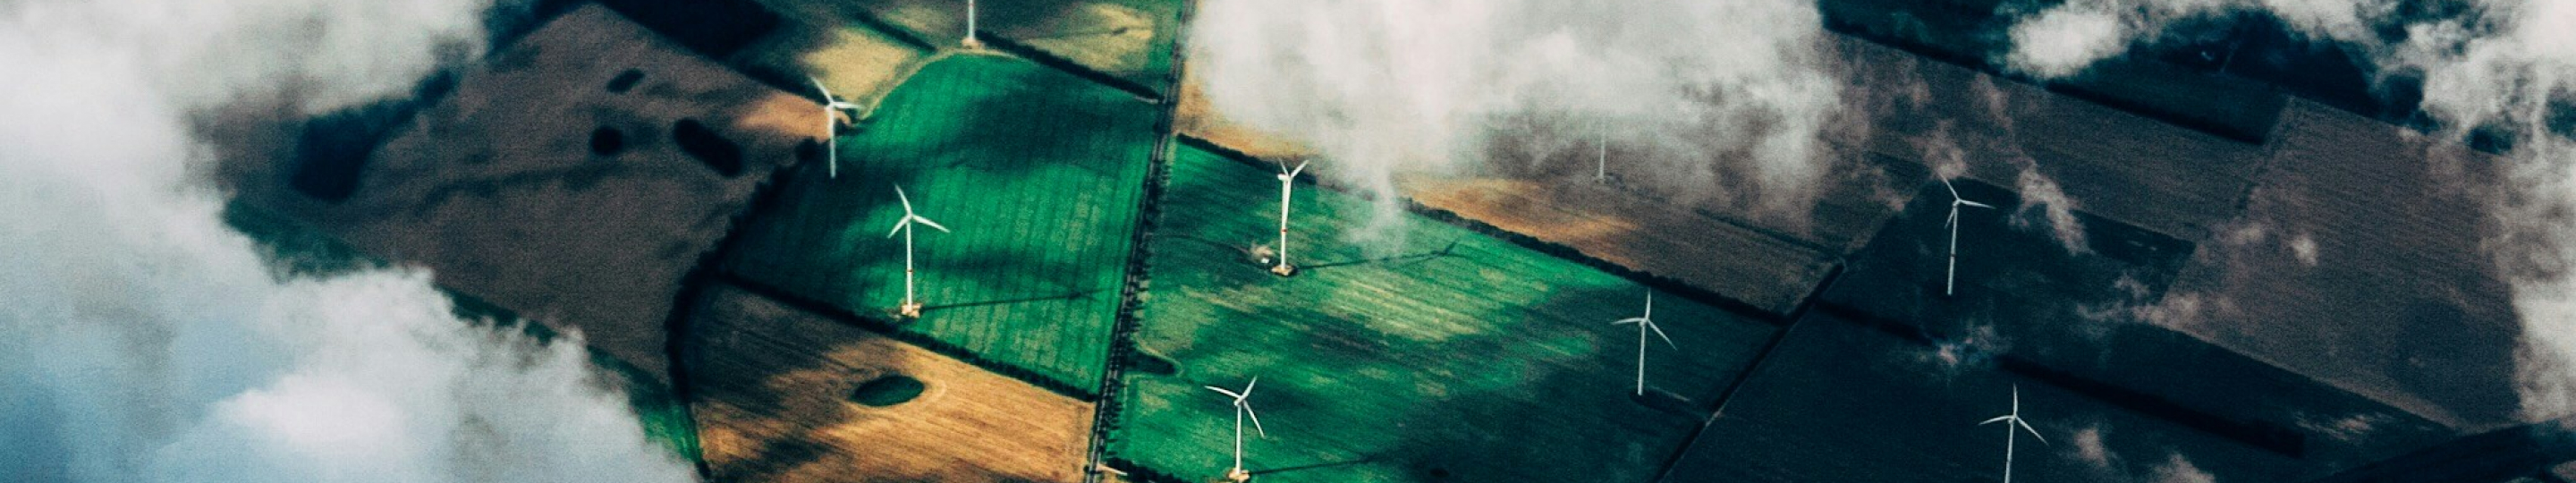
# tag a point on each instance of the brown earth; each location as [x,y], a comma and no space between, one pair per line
[772,388]
[498,190]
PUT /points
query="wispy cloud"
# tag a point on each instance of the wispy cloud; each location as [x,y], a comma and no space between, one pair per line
[1722,100]
[2500,67]
[158,343]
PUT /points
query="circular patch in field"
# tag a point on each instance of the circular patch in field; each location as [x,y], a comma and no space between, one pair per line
[887,391]
[625,81]
[607,141]
[1152,364]
[702,142]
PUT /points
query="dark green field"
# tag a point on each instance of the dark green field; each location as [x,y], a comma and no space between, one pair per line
[1457,357]
[1038,173]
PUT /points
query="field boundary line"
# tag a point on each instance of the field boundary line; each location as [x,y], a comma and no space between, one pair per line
[1032,53]
[1124,322]
[1560,251]
[2264,435]
[906,36]
[1761,360]
[892,331]
[1060,63]
[707,270]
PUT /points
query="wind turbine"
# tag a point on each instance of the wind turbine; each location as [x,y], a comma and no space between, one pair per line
[970,42]
[1949,282]
[910,308]
[1645,323]
[1601,170]
[1241,409]
[2012,421]
[1287,182]
[831,126]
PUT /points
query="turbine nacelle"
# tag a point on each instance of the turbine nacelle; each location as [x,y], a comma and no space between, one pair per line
[909,217]
[1286,174]
[1647,322]
[1957,201]
[2014,419]
[1244,406]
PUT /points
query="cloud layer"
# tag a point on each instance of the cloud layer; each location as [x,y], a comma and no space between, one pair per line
[2488,67]
[148,342]
[1722,100]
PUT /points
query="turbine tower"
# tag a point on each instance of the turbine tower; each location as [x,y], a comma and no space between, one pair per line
[2011,422]
[970,42]
[1241,409]
[1645,323]
[1287,183]
[831,125]
[1601,159]
[1949,282]
[910,308]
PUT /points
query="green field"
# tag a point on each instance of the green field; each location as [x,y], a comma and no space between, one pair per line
[1038,173]
[1457,357]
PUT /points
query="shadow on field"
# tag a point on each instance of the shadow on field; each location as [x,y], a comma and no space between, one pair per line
[1523,432]
[1395,260]
[1038,117]
[1515,414]
[1075,295]
[763,392]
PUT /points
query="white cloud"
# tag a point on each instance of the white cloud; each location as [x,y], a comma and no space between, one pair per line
[2062,41]
[1723,99]
[159,344]
[2046,207]
[2501,65]
[2179,470]
[2304,248]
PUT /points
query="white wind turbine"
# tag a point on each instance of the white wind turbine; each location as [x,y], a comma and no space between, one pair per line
[2012,421]
[831,125]
[910,308]
[1601,168]
[1645,323]
[1241,409]
[1949,282]
[1287,182]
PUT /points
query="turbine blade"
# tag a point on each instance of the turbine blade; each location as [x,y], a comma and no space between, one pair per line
[1954,190]
[1659,332]
[1976,204]
[1630,320]
[933,224]
[818,85]
[1996,420]
[1221,390]
[907,200]
[898,226]
[2034,432]
[1256,420]
[1247,387]
[1301,168]
[1953,220]
[1650,306]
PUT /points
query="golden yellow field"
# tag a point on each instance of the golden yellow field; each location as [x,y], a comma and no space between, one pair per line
[772,397]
